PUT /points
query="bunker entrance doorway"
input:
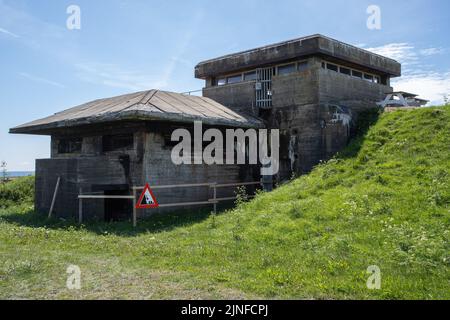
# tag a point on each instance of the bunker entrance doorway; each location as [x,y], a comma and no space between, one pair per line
[116,209]
[263,87]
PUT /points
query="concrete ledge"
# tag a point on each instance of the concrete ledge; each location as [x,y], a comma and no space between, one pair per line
[292,49]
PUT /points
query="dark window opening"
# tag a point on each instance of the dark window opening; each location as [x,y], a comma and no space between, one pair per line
[70,145]
[323,65]
[344,70]
[118,142]
[332,67]
[234,79]
[357,74]
[286,69]
[302,66]
[368,77]
[117,209]
[250,76]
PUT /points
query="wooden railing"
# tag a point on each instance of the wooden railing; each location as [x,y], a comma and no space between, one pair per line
[213,201]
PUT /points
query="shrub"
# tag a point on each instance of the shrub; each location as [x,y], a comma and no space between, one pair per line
[17,191]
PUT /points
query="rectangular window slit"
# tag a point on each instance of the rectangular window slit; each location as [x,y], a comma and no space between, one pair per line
[286,69]
[118,142]
[356,74]
[234,79]
[332,67]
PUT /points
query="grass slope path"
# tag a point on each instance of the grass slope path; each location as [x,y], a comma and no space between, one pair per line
[383,201]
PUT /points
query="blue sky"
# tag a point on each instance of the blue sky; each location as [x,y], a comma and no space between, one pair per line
[125,46]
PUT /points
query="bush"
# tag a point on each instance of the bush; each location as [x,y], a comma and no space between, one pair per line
[17,191]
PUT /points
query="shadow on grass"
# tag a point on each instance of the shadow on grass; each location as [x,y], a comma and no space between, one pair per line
[155,223]
[365,120]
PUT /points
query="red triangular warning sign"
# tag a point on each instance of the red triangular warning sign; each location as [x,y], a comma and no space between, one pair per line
[147,199]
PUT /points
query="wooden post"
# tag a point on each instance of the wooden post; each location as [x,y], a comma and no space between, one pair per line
[134,208]
[215,197]
[54,197]
[80,208]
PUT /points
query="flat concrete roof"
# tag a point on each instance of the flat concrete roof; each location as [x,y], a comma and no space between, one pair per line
[151,105]
[404,93]
[287,50]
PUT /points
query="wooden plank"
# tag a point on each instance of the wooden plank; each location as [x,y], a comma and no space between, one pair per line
[202,185]
[215,199]
[54,197]
[184,204]
[228,198]
[223,199]
[134,209]
[170,105]
[86,196]
[237,184]
[177,186]
[80,209]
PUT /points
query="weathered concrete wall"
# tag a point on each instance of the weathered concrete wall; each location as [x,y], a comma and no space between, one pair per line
[295,113]
[92,170]
[300,143]
[91,174]
[158,169]
[239,96]
[299,88]
[149,161]
[355,93]
[346,52]
[47,172]
[315,111]
[304,109]
[294,49]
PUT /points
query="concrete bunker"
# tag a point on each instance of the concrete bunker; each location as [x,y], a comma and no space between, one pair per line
[311,89]
[98,151]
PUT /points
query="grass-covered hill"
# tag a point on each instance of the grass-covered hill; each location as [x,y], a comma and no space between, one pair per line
[384,201]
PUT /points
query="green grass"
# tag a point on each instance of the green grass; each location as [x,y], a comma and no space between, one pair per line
[383,201]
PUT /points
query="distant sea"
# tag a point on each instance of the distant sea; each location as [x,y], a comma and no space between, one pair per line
[15,174]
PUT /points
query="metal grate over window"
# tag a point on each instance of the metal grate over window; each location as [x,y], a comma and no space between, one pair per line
[263,87]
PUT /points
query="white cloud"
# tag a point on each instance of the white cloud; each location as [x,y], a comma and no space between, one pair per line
[417,77]
[41,80]
[402,52]
[9,33]
[432,86]
[431,51]
[405,53]
[113,75]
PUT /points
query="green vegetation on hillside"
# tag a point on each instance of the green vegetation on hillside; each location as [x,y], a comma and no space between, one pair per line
[384,201]
[17,192]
